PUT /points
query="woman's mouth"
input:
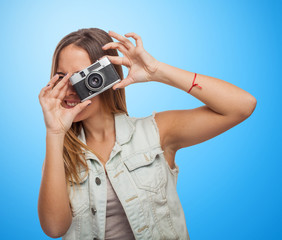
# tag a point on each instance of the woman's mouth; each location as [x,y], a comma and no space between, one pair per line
[70,104]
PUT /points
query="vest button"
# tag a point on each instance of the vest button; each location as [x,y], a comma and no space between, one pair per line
[93,211]
[98,181]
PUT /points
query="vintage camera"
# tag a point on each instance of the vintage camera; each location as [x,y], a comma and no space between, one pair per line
[95,79]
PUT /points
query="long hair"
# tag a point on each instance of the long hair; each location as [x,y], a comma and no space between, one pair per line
[91,40]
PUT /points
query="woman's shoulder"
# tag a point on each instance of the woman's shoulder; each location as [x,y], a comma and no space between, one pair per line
[146,127]
[142,121]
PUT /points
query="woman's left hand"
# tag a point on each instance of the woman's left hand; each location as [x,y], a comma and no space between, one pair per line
[140,63]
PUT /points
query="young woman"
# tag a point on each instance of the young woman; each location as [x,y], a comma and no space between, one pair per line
[107,175]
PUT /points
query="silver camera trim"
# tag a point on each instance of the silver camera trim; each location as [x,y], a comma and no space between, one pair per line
[75,78]
[91,88]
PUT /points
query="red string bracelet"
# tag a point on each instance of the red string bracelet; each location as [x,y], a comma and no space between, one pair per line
[193,85]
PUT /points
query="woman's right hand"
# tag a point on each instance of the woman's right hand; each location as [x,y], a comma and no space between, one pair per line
[58,119]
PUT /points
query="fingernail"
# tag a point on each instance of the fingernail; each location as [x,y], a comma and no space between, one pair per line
[48,84]
[66,74]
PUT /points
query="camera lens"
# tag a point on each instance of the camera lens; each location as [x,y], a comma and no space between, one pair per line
[94,81]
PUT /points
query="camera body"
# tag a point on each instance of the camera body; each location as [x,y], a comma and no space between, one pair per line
[95,79]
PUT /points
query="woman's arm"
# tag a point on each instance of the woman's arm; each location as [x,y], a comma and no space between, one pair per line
[226,105]
[220,96]
[53,203]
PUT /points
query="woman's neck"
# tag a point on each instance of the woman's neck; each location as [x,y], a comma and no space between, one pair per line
[100,127]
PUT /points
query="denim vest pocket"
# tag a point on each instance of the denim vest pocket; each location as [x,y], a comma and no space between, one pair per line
[146,170]
[79,196]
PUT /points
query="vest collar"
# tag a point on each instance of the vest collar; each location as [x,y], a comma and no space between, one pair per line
[124,129]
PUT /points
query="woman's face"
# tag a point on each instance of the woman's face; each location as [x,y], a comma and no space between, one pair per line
[73,59]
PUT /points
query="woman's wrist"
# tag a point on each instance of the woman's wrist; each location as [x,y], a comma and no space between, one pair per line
[56,134]
[173,76]
[153,71]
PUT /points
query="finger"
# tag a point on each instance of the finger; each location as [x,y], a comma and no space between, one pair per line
[118,60]
[137,38]
[53,79]
[41,95]
[114,45]
[123,83]
[43,92]
[48,87]
[61,83]
[127,43]
[57,88]
[80,106]
[63,92]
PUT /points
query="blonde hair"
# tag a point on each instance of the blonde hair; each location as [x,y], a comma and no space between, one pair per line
[91,40]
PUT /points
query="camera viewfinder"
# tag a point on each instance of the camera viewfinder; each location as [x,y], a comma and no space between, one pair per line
[82,74]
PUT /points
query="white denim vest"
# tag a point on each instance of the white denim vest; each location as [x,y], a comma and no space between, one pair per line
[142,180]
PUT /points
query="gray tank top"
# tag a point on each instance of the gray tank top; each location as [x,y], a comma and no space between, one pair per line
[117,225]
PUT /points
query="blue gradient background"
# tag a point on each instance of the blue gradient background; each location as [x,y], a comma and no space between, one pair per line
[229,186]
